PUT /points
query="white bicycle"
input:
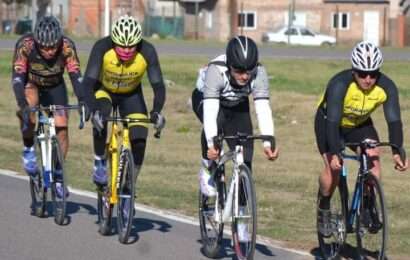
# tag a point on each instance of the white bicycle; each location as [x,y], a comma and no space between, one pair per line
[237,206]
[50,159]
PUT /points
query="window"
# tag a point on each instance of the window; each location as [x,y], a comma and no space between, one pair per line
[306,32]
[291,31]
[247,20]
[341,21]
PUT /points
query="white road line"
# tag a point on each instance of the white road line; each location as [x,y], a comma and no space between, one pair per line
[163,213]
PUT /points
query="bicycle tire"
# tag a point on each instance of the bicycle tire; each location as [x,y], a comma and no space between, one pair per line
[59,204]
[210,227]
[37,189]
[372,236]
[104,207]
[331,246]
[245,247]
[126,195]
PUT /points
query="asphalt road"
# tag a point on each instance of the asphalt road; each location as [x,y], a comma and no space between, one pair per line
[154,237]
[189,49]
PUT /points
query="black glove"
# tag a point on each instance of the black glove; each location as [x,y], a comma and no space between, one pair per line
[97,120]
[157,119]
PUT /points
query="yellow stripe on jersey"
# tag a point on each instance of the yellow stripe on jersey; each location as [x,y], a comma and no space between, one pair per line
[122,77]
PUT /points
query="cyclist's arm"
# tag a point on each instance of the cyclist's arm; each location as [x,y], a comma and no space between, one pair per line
[20,71]
[214,82]
[91,80]
[154,75]
[392,112]
[334,98]
[72,64]
[263,109]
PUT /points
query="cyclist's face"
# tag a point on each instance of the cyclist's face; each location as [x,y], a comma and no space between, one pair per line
[241,77]
[366,79]
[125,53]
[48,52]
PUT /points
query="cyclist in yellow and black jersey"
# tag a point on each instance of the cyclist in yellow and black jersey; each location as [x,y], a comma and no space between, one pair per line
[113,79]
[344,113]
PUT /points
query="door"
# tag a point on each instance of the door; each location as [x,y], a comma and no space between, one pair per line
[371,27]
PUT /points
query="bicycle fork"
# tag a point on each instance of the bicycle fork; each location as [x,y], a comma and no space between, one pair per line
[46,151]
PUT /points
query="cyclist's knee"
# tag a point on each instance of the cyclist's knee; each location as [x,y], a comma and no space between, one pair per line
[138,132]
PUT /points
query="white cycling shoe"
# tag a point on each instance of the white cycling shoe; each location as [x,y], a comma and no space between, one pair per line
[206,183]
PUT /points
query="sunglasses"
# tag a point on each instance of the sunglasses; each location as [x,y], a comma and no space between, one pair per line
[363,74]
[242,71]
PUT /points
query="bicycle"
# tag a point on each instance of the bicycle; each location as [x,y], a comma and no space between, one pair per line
[50,159]
[237,206]
[367,213]
[120,189]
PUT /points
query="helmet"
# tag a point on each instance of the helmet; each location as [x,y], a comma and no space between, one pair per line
[366,57]
[126,31]
[242,53]
[47,32]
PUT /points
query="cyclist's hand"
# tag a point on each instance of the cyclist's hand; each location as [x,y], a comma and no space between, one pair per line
[97,120]
[271,155]
[335,162]
[87,111]
[399,164]
[213,153]
[157,119]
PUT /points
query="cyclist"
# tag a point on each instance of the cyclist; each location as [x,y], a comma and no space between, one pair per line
[113,77]
[220,101]
[37,78]
[343,114]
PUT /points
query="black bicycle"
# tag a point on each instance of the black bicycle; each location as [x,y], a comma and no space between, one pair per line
[366,215]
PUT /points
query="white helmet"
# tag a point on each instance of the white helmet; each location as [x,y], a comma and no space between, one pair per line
[366,57]
[126,31]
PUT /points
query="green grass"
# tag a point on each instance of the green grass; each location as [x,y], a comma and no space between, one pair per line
[286,189]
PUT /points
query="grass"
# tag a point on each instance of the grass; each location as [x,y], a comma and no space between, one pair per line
[286,189]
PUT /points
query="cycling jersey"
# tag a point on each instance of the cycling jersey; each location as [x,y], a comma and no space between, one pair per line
[30,67]
[106,70]
[345,105]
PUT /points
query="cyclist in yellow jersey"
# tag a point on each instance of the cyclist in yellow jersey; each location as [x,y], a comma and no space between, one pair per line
[113,77]
[344,112]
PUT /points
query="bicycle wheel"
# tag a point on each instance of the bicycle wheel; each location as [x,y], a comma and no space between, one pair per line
[371,222]
[210,223]
[126,195]
[244,224]
[59,202]
[37,190]
[104,207]
[331,244]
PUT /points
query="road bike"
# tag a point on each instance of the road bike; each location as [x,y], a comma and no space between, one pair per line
[51,160]
[236,205]
[366,215]
[120,189]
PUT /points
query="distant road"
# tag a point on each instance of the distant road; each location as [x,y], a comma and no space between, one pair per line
[190,49]
[154,236]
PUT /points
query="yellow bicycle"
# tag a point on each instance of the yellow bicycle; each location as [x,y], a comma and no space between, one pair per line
[120,189]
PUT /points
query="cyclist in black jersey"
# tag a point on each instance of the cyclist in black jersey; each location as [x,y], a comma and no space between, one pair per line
[113,77]
[344,113]
[39,62]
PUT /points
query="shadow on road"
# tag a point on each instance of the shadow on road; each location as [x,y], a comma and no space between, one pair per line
[348,252]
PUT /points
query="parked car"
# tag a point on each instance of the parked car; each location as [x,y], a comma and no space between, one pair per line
[23,26]
[298,35]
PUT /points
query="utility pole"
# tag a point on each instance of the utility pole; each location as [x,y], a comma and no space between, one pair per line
[107,18]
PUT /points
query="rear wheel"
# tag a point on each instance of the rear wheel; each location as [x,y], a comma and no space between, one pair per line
[332,243]
[126,195]
[371,232]
[244,223]
[210,221]
[37,189]
[59,201]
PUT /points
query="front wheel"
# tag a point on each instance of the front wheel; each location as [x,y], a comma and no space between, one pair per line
[210,220]
[59,200]
[371,222]
[244,219]
[126,195]
[332,238]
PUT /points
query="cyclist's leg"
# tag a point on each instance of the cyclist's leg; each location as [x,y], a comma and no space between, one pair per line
[58,96]
[27,130]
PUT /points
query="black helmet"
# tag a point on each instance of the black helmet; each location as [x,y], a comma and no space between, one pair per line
[242,53]
[48,32]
